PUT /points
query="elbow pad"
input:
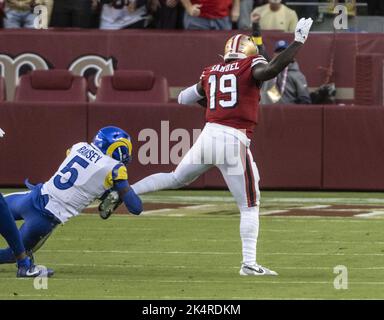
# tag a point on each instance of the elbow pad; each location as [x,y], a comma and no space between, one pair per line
[189,95]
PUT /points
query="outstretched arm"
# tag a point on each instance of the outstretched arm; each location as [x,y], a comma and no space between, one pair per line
[268,71]
[192,94]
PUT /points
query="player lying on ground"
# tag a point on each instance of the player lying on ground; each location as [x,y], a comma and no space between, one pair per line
[85,175]
[232,92]
[8,229]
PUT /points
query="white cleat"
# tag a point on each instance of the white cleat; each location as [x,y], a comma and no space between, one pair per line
[256,270]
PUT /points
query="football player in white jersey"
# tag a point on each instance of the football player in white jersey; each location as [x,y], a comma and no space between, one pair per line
[88,172]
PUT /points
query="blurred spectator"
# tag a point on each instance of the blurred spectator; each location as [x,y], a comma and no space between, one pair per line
[210,14]
[375,7]
[275,16]
[306,11]
[19,13]
[126,14]
[168,14]
[1,12]
[289,87]
[72,13]
[246,7]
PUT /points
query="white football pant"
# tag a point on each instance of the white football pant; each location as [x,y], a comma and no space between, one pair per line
[227,149]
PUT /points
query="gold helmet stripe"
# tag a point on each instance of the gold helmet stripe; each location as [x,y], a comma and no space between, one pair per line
[120,143]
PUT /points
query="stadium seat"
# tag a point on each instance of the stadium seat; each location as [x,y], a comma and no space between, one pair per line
[133,86]
[51,85]
[2,89]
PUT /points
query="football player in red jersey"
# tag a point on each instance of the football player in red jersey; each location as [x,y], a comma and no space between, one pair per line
[232,91]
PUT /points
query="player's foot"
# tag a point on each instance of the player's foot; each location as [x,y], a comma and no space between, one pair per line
[256,270]
[26,269]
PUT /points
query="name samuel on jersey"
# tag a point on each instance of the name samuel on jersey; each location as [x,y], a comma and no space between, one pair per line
[229,67]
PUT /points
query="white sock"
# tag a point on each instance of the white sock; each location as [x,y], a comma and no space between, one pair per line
[155,182]
[249,230]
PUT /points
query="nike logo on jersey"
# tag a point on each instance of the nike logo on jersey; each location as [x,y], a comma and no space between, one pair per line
[228,67]
[90,154]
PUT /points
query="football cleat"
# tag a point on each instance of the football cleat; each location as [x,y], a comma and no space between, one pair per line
[256,270]
[30,270]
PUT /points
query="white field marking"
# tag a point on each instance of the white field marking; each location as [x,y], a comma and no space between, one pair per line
[210,252]
[93,265]
[235,280]
[229,198]
[199,207]
[371,214]
[316,207]
[267,212]
[319,241]
[156,211]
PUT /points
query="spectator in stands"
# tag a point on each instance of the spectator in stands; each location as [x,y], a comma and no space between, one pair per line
[126,14]
[375,7]
[275,16]
[289,87]
[168,14]
[246,7]
[19,13]
[210,14]
[72,13]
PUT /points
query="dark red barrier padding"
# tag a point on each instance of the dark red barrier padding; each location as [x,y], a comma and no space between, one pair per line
[286,147]
[2,89]
[354,147]
[37,137]
[133,86]
[51,86]
[180,56]
[369,79]
[142,119]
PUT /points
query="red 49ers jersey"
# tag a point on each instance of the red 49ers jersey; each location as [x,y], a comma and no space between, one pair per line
[232,93]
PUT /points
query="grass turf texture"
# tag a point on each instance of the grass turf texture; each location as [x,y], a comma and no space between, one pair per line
[195,252]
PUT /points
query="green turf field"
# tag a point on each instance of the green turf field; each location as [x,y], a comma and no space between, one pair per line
[193,252]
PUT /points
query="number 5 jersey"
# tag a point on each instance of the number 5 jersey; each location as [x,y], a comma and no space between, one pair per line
[84,176]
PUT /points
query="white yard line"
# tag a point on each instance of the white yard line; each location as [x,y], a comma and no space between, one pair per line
[127,266]
[319,241]
[227,281]
[210,252]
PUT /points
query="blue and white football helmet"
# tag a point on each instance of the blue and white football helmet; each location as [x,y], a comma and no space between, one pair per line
[114,142]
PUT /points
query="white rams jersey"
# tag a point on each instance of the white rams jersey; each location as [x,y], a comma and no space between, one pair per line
[84,176]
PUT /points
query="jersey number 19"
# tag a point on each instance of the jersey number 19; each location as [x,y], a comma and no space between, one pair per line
[227,85]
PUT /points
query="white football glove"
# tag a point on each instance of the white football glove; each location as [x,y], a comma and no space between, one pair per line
[2,133]
[302,29]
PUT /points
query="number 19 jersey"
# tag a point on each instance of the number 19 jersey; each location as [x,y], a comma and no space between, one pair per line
[84,176]
[232,93]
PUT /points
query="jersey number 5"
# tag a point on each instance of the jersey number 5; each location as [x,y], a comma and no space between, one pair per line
[73,171]
[227,85]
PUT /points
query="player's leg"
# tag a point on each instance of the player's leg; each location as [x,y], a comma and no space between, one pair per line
[16,251]
[11,234]
[188,170]
[37,226]
[242,178]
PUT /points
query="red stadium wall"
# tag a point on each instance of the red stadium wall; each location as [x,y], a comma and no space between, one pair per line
[296,147]
[325,57]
